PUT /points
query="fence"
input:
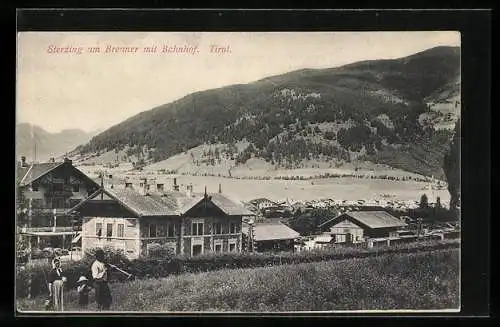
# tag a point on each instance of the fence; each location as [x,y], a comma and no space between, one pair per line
[64,229]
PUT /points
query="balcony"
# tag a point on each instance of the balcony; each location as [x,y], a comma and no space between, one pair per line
[59,211]
[60,193]
[59,230]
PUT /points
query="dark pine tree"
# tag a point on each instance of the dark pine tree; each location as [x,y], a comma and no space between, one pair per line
[451,167]
[424,201]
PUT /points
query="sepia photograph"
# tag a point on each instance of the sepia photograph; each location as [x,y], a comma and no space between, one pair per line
[238,172]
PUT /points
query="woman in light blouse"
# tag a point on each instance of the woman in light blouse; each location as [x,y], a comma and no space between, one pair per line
[56,281]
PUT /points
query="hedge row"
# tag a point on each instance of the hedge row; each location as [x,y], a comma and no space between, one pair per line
[149,268]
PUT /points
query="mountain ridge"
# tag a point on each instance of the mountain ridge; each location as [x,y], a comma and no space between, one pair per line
[278,112]
[48,145]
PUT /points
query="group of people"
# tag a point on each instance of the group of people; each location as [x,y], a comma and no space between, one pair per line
[56,280]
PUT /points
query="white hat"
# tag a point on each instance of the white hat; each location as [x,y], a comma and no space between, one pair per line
[82,278]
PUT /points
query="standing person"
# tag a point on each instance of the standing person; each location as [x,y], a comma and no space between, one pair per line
[56,282]
[100,276]
[83,290]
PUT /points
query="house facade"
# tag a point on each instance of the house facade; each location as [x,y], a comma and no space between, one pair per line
[140,221]
[361,226]
[45,192]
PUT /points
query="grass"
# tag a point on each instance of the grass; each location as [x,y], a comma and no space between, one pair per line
[426,281]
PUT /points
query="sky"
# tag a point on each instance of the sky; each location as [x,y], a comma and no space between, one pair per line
[91,90]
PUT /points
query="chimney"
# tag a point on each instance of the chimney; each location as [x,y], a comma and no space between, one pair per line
[23,161]
[145,186]
[189,190]
[52,160]
[176,187]
[66,160]
[220,188]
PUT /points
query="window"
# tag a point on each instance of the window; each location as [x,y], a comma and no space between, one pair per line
[232,247]
[170,230]
[58,203]
[37,203]
[109,230]
[98,229]
[232,228]
[218,248]
[197,229]
[34,188]
[197,249]
[120,230]
[346,230]
[76,188]
[217,228]
[152,230]
[57,186]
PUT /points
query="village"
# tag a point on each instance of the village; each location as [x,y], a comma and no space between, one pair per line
[320,175]
[63,212]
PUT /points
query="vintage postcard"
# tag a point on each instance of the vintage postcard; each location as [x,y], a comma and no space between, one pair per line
[238,172]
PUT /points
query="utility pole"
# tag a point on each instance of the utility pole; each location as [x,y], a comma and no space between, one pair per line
[29,218]
[102,185]
[419,220]
[250,235]
[73,217]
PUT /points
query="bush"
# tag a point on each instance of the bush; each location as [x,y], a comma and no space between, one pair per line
[111,255]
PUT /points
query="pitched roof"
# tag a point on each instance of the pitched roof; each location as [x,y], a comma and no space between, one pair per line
[371,219]
[230,207]
[143,205]
[261,200]
[21,172]
[269,232]
[37,170]
[165,204]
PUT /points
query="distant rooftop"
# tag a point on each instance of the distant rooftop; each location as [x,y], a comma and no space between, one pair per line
[371,219]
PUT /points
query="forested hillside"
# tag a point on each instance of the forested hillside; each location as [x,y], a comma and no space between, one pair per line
[368,110]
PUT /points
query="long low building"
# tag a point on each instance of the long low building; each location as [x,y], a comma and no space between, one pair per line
[272,236]
[359,226]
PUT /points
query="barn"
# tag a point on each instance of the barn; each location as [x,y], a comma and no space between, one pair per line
[272,236]
[359,226]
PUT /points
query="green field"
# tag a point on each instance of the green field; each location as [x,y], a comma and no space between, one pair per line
[420,281]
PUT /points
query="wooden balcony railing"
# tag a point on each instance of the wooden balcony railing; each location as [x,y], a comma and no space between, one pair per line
[49,229]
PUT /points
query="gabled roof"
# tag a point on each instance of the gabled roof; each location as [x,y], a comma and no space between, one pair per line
[166,204]
[33,172]
[230,207]
[261,200]
[274,231]
[142,205]
[37,170]
[370,219]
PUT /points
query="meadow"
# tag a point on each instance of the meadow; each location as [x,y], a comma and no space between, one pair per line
[347,188]
[417,281]
[342,188]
